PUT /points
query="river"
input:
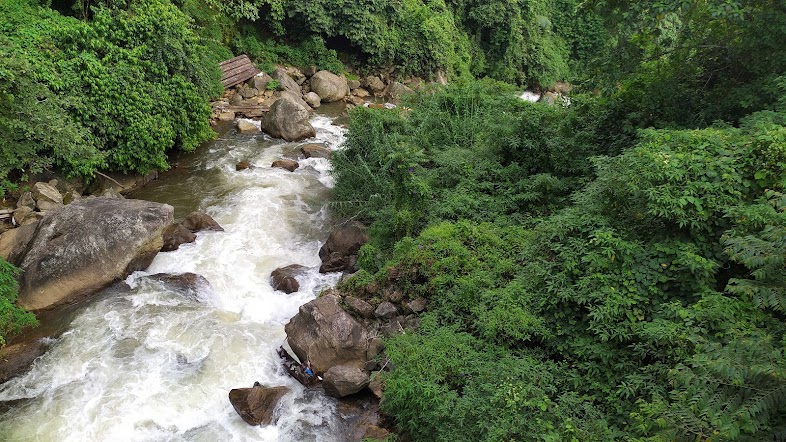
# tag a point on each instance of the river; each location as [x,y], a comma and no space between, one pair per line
[155,364]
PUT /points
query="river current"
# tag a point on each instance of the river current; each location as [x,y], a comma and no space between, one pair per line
[154,364]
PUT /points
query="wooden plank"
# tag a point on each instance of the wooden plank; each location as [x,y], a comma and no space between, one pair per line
[237,70]
[234,70]
[234,59]
[234,67]
[239,78]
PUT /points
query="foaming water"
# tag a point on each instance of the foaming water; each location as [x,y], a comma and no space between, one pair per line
[156,363]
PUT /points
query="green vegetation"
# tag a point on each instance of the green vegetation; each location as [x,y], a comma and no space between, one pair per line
[116,92]
[12,318]
[609,270]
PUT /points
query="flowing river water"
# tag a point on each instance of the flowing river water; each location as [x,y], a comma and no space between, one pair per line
[155,364]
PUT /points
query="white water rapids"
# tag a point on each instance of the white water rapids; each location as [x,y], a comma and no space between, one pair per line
[152,364]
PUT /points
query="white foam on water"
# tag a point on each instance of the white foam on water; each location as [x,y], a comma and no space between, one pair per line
[530,96]
[157,364]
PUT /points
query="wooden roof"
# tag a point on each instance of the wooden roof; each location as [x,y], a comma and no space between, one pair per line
[237,70]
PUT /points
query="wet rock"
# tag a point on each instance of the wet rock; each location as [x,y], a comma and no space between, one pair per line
[189,284]
[289,165]
[257,404]
[359,306]
[245,126]
[86,245]
[324,334]
[315,151]
[313,99]
[340,251]
[17,358]
[343,380]
[243,165]
[176,235]
[386,310]
[288,120]
[329,86]
[46,197]
[198,221]
[285,278]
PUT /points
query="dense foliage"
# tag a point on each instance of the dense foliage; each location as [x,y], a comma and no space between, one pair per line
[118,91]
[526,42]
[12,318]
[577,291]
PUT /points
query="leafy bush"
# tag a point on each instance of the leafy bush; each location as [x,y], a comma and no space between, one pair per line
[122,90]
[12,318]
[646,306]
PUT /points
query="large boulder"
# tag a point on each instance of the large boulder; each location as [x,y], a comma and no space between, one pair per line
[256,404]
[289,120]
[297,98]
[286,83]
[323,334]
[84,246]
[340,251]
[285,278]
[329,86]
[343,380]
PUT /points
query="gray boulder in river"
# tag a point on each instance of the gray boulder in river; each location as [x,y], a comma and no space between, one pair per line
[324,335]
[329,86]
[289,120]
[79,249]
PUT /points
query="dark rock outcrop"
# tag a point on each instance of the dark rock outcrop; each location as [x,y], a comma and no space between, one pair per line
[16,358]
[288,120]
[323,334]
[340,251]
[315,151]
[189,284]
[256,404]
[82,247]
[343,380]
[289,165]
[285,278]
[175,235]
[198,221]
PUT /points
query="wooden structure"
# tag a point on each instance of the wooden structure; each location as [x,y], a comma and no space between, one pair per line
[237,70]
